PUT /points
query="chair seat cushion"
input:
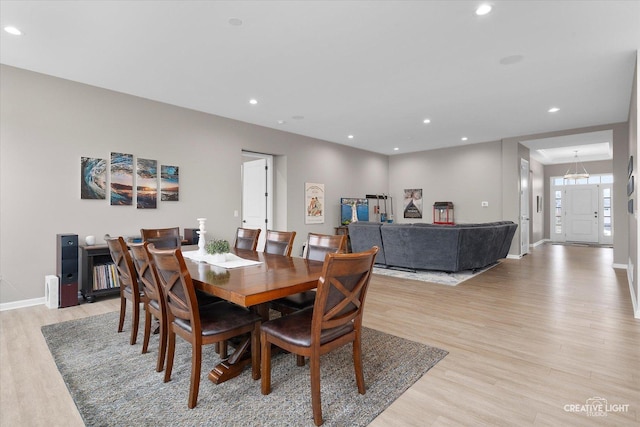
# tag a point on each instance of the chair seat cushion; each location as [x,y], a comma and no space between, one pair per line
[296,329]
[221,317]
[297,301]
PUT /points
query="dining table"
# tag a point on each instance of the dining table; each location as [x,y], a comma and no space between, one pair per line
[250,279]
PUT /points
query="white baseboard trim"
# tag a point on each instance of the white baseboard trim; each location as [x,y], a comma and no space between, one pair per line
[620,266]
[539,242]
[22,304]
[514,256]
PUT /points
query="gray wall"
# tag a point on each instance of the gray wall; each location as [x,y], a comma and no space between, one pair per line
[466,176]
[633,260]
[48,124]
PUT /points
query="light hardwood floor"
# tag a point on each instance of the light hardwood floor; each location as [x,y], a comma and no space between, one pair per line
[525,339]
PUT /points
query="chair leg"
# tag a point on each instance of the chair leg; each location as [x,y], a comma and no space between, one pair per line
[357,364]
[265,363]
[123,309]
[135,321]
[255,352]
[316,405]
[196,363]
[162,348]
[171,349]
[299,360]
[147,330]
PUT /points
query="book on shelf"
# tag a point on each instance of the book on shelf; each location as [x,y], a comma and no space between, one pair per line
[105,276]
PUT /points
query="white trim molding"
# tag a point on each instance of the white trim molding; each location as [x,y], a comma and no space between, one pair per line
[22,304]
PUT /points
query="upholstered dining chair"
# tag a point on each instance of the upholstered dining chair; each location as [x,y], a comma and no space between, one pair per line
[154,303]
[334,320]
[318,245]
[279,242]
[162,238]
[247,238]
[199,325]
[129,289]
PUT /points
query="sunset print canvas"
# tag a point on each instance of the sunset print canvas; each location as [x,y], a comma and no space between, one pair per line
[147,183]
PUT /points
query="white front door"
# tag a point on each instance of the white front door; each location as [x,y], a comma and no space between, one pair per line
[255,197]
[581,213]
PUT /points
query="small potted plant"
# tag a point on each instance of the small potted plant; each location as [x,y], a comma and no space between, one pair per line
[218,248]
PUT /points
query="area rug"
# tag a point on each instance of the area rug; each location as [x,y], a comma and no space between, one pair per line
[432,276]
[113,384]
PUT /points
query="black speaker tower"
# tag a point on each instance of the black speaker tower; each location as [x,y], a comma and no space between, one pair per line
[67,268]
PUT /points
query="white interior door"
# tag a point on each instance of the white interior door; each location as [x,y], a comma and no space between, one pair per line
[581,214]
[524,206]
[255,197]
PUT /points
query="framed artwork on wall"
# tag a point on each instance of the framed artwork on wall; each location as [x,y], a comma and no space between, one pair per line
[93,178]
[314,201]
[147,183]
[169,183]
[412,203]
[121,179]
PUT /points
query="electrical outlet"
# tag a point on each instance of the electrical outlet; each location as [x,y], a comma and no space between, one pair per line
[485,204]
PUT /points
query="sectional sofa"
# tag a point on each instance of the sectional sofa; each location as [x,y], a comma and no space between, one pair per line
[421,246]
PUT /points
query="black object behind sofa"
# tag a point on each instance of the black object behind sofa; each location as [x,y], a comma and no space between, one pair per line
[423,246]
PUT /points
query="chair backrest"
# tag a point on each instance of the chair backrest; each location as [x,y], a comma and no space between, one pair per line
[162,238]
[179,293]
[147,275]
[247,238]
[341,292]
[124,265]
[279,242]
[319,245]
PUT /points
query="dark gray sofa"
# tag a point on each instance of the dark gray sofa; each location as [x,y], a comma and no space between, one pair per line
[423,246]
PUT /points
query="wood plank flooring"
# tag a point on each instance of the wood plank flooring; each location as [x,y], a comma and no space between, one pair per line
[525,339]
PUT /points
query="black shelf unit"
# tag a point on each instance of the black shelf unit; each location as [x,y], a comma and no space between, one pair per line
[92,258]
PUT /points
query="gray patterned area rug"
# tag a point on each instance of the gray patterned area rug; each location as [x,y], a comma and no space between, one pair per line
[432,276]
[113,384]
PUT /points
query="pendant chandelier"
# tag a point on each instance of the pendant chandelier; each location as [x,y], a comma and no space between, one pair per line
[577,171]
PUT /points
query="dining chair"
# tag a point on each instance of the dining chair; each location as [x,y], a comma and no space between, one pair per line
[199,325]
[247,238]
[129,288]
[317,247]
[334,320]
[279,242]
[162,238]
[155,303]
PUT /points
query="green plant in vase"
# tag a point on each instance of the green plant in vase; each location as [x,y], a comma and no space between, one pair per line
[218,248]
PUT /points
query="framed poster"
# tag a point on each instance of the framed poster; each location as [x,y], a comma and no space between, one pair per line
[412,203]
[314,203]
[93,178]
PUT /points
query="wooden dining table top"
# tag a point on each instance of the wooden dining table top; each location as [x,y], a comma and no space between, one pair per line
[275,277]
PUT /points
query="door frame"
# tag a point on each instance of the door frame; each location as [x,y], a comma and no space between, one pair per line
[268,193]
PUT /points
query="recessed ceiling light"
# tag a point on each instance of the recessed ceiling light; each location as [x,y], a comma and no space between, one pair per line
[281,122]
[483,9]
[236,22]
[396,149]
[13,30]
[426,121]
[350,136]
[554,109]
[464,138]
[253,101]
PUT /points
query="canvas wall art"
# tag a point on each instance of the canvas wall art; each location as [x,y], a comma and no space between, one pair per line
[121,179]
[93,178]
[169,183]
[412,203]
[314,200]
[147,183]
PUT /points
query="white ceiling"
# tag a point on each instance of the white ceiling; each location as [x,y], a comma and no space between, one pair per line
[328,69]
